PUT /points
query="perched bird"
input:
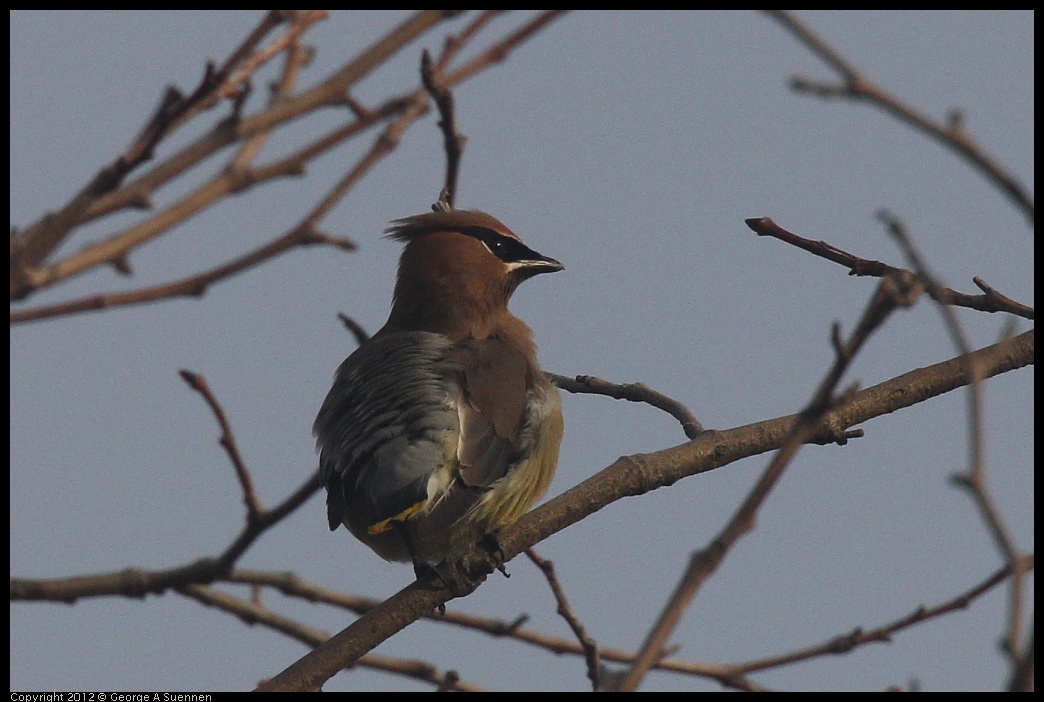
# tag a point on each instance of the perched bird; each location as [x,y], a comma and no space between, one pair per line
[441,428]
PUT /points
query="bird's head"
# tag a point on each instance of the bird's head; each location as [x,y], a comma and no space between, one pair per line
[458,271]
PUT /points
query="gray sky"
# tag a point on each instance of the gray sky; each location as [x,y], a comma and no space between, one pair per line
[631,147]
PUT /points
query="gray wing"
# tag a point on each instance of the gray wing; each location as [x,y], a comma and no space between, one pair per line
[386,426]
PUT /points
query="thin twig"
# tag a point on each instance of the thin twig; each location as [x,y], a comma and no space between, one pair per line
[232,180]
[453,140]
[502,49]
[894,291]
[360,334]
[455,42]
[115,250]
[228,442]
[384,144]
[35,243]
[30,247]
[193,286]
[297,56]
[860,636]
[992,301]
[136,582]
[974,479]
[292,585]
[589,645]
[253,614]
[856,86]
[633,392]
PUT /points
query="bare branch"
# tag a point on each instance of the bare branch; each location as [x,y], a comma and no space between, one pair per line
[974,480]
[894,291]
[588,644]
[860,636]
[502,49]
[31,246]
[193,286]
[636,475]
[253,614]
[34,244]
[992,301]
[228,442]
[138,583]
[856,86]
[292,585]
[238,176]
[453,140]
[633,392]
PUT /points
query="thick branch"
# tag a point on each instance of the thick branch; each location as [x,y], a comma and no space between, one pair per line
[638,474]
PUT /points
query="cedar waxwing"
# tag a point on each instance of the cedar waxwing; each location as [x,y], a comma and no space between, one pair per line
[441,428]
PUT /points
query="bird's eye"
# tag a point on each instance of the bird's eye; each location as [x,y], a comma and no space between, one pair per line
[496,242]
[506,248]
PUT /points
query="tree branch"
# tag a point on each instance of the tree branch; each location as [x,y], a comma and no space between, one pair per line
[638,474]
[856,86]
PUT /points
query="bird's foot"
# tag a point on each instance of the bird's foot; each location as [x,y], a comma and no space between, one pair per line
[454,576]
